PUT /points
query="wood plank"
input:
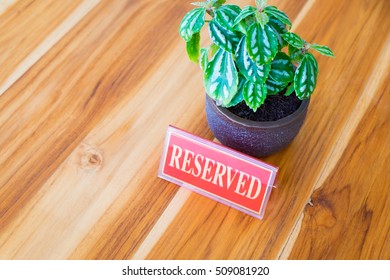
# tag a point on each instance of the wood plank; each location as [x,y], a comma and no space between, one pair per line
[302,162]
[41,96]
[349,218]
[17,45]
[107,162]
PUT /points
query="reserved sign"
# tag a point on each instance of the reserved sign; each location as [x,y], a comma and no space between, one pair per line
[218,172]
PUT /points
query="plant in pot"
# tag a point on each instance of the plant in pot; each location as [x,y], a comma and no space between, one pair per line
[258,75]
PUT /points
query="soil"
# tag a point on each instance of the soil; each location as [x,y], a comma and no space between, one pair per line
[274,108]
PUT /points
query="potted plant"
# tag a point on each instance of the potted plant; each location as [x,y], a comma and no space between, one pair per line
[258,75]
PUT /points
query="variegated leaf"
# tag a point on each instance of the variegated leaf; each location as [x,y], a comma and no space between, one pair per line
[322,50]
[305,79]
[204,55]
[241,27]
[239,97]
[277,25]
[252,71]
[295,54]
[203,58]
[193,47]
[225,16]
[246,12]
[281,42]
[217,3]
[275,12]
[254,94]
[221,78]
[282,69]
[262,18]
[279,28]
[294,40]
[261,43]
[275,87]
[192,23]
[261,4]
[222,37]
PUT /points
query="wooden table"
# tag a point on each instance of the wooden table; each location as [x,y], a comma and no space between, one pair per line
[88,89]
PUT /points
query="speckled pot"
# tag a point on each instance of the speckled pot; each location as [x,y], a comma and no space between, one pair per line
[257,139]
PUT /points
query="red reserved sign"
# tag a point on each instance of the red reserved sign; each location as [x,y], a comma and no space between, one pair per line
[218,172]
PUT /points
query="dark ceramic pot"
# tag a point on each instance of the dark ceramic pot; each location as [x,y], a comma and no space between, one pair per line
[257,139]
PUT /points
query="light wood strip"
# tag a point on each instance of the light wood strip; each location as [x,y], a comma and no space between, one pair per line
[24,25]
[303,12]
[286,249]
[162,224]
[48,43]
[5,4]
[378,76]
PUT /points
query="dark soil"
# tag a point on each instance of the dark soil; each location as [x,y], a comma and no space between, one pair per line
[274,108]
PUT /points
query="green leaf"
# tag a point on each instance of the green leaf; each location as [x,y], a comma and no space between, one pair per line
[226,15]
[281,42]
[254,94]
[222,37]
[204,55]
[294,40]
[261,4]
[295,54]
[217,3]
[241,27]
[305,79]
[277,25]
[239,97]
[214,48]
[262,18]
[289,90]
[262,43]
[221,78]
[282,70]
[275,87]
[193,47]
[322,50]
[252,71]
[192,23]
[203,59]
[273,11]
[280,29]
[246,12]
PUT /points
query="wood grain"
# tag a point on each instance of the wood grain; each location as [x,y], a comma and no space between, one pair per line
[86,100]
[347,209]
[19,49]
[374,95]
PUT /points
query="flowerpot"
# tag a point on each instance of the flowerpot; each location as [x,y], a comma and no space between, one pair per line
[254,138]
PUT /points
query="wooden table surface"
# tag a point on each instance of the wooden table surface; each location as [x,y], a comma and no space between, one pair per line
[87,90]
